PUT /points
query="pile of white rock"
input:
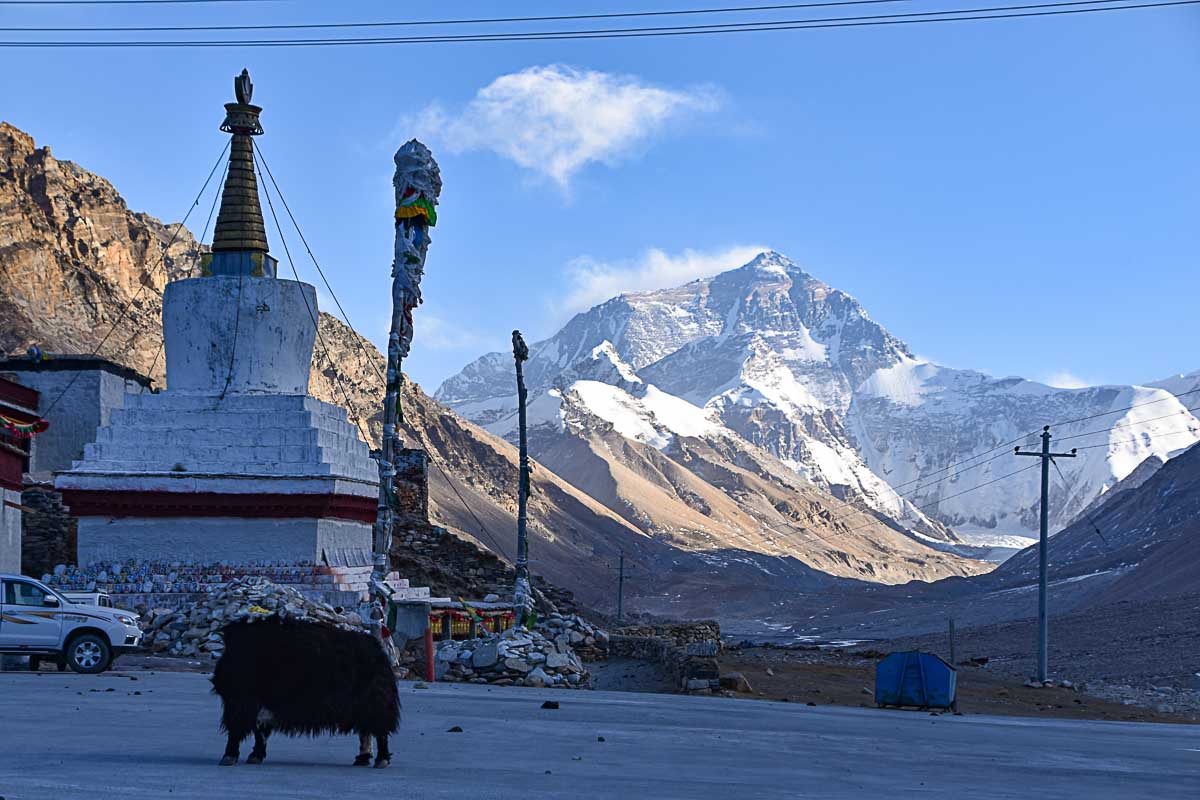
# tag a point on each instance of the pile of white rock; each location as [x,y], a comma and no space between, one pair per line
[577,634]
[517,657]
[196,632]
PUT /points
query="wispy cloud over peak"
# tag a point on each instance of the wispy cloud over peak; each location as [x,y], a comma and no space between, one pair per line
[593,281]
[555,119]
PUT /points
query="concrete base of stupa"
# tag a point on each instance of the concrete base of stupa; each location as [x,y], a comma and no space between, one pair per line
[234,540]
[248,477]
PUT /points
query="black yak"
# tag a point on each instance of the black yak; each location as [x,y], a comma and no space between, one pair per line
[304,678]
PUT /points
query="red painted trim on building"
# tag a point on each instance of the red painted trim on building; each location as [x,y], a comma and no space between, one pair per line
[18,395]
[112,503]
[12,462]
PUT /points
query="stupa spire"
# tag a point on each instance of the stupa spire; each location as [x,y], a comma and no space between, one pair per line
[240,227]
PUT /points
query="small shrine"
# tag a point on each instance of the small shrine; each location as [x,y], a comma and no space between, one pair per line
[234,461]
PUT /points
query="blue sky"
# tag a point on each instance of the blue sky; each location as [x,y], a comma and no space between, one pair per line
[1015,196]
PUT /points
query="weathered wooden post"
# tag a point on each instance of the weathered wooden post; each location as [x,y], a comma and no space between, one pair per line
[522,591]
[418,182]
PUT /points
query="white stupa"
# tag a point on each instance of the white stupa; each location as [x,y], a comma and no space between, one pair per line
[234,461]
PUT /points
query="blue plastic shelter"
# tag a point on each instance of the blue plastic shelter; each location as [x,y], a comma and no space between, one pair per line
[915,679]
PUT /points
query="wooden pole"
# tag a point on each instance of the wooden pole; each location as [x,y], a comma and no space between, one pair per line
[522,591]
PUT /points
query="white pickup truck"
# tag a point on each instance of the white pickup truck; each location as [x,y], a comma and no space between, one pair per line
[37,621]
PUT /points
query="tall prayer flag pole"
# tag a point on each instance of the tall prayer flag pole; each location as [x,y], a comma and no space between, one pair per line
[418,182]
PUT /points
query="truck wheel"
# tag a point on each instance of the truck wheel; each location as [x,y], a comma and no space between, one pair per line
[89,654]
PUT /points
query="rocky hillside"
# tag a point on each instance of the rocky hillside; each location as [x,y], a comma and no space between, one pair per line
[72,255]
[794,367]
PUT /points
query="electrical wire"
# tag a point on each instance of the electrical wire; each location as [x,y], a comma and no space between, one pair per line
[345,317]
[1157,436]
[476,21]
[162,340]
[366,354]
[1086,515]
[963,15]
[952,496]
[1126,408]
[468,508]
[124,2]
[1133,424]
[916,490]
[161,258]
[337,377]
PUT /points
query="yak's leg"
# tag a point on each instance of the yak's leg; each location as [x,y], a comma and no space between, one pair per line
[364,750]
[383,756]
[261,732]
[232,744]
[238,721]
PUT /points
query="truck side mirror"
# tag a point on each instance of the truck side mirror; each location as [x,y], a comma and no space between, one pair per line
[50,600]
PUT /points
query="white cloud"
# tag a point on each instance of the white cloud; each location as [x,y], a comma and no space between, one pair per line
[555,119]
[1066,380]
[595,281]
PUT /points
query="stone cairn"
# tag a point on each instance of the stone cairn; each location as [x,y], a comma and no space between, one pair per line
[196,632]
[586,640]
[179,577]
[542,657]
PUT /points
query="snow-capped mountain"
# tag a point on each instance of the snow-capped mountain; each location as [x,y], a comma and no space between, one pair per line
[772,358]
[677,472]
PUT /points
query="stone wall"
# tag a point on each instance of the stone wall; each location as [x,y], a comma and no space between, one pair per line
[412,489]
[80,408]
[686,651]
[678,633]
[48,532]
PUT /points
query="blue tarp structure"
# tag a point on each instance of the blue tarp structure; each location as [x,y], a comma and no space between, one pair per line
[915,679]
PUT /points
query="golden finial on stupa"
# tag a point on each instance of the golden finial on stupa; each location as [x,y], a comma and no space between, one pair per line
[240,222]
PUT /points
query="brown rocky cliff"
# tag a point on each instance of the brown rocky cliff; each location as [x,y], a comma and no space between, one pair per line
[73,256]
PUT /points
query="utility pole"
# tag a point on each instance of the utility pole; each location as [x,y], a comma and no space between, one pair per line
[522,591]
[621,588]
[1044,537]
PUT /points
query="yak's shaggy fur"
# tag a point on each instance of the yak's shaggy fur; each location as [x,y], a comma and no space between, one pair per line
[304,678]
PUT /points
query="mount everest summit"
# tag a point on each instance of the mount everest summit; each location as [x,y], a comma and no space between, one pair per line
[651,401]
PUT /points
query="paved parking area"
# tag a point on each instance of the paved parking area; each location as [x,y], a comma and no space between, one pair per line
[67,736]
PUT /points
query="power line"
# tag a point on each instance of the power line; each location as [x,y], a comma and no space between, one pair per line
[124,2]
[1025,436]
[1158,436]
[161,258]
[358,340]
[346,317]
[1086,515]
[468,508]
[1126,408]
[162,340]
[965,15]
[959,494]
[913,492]
[337,380]
[476,21]
[1132,424]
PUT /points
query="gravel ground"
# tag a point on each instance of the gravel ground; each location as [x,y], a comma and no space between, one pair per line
[1147,653]
[844,678]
